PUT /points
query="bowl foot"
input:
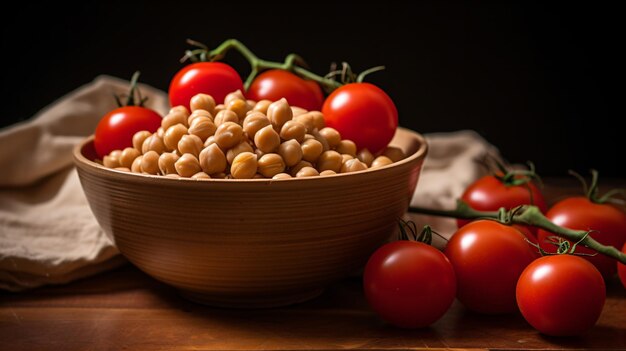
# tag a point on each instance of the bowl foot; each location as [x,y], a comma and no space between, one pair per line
[261,301]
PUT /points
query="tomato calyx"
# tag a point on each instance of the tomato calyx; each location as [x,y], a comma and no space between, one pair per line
[408,232]
[564,247]
[592,191]
[133,98]
[346,74]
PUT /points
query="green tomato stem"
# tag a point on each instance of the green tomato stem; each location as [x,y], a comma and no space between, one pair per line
[526,215]
[257,65]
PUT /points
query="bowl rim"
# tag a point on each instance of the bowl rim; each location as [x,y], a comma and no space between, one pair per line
[79,158]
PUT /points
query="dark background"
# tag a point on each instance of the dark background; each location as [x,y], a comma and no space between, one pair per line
[543,82]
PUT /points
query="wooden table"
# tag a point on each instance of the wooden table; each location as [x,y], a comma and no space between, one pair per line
[127,310]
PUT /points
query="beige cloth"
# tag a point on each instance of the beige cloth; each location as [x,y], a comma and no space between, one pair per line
[48,234]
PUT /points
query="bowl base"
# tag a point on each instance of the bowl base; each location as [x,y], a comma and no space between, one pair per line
[252,301]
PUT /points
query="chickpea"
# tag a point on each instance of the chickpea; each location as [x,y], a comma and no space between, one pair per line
[395,154]
[318,119]
[262,106]
[150,162]
[329,160]
[160,132]
[311,150]
[153,143]
[295,169]
[291,152]
[203,127]
[331,135]
[220,175]
[327,172]
[307,120]
[202,102]
[345,157]
[218,108]
[316,134]
[307,172]
[270,165]
[228,134]
[197,114]
[139,138]
[212,160]
[381,161]
[200,176]
[297,111]
[233,96]
[173,175]
[266,139]
[166,163]
[123,169]
[250,104]
[173,119]
[282,176]
[112,160]
[238,106]
[179,108]
[346,147]
[187,165]
[254,122]
[190,144]
[293,130]
[243,146]
[365,156]
[127,156]
[244,166]
[353,165]
[279,113]
[210,140]
[259,153]
[225,116]
[136,166]
[173,135]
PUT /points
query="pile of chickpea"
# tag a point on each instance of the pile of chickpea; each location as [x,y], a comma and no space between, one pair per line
[243,139]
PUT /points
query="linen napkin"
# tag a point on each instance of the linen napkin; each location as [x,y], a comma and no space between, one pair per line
[48,234]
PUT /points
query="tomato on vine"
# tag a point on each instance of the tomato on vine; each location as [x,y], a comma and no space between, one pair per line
[561,295]
[275,84]
[621,269]
[605,221]
[488,258]
[214,78]
[116,129]
[409,284]
[507,189]
[363,113]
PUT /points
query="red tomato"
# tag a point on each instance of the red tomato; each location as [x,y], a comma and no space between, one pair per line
[116,129]
[607,221]
[621,269]
[214,78]
[363,113]
[561,295]
[276,84]
[488,257]
[409,284]
[490,193]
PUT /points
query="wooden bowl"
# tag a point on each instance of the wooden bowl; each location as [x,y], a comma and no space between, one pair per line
[251,243]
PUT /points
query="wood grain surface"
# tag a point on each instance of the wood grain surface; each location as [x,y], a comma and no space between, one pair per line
[127,310]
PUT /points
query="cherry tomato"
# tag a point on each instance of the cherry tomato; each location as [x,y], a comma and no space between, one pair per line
[607,222]
[214,78]
[276,84]
[621,269]
[488,257]
[561,295]
[116,129]
[409,284]
[489,194]
[363,113]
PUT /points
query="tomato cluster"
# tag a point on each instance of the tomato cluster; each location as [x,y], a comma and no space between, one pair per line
[498,268]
